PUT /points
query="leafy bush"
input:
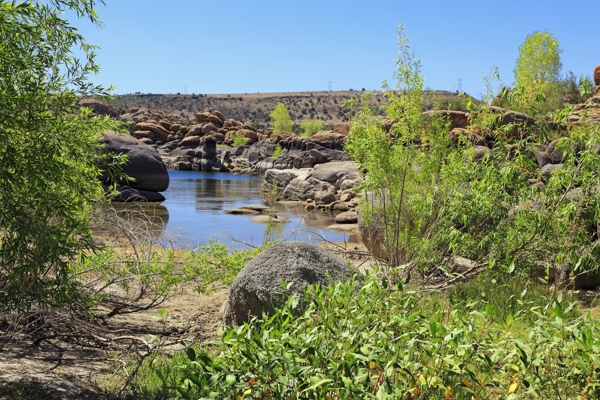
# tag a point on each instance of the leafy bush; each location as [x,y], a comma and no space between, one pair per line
[428,198]
[507,295]
[277,152]
[577,91]
[49,148]
[309,128]
[403,202]
[537,89]
[280,118]
[214,263]
[459,103]
[239,139]
[397,344]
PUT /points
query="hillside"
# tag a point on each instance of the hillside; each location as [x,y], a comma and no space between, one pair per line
[253,108]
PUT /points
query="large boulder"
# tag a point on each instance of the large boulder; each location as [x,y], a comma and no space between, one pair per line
[336,172]
[98,107]
[159,131]
[144,163]
[257,288]
[455,119]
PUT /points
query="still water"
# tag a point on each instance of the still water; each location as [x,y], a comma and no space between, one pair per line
[194,213]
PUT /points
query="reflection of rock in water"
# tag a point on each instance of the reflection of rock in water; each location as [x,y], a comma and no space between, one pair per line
[142,222]
[316,220]
[211,194]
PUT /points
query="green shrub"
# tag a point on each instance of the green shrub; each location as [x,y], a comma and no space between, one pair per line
[309,128]
[396,344]
[429,198]
[277,152]
[537,89]
[280,118]
[507,295]
[49,183]
[238,139]
[214,263]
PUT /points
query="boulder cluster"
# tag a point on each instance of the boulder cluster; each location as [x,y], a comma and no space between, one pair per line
[591,108]
[207,146]
[327,185]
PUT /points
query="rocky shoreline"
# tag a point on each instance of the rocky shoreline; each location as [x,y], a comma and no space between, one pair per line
[312,169]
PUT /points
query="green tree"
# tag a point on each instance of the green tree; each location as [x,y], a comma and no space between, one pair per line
[538,87]
[280,118]
[49,150]
[427,198]
[309,128]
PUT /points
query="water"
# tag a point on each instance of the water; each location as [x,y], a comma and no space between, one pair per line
[194,213]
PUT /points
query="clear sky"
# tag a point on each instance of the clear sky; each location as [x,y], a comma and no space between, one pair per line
[235,46]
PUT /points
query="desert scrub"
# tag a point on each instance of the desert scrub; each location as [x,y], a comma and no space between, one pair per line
[395,343]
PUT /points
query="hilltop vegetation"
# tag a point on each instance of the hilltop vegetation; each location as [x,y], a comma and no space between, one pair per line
[254,108]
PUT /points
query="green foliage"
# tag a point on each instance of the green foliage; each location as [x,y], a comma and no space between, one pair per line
[277,152]
[577,91]
[309,128]
[145,278]
[49,149]
[427,198]
[214,263]
[507,294]
[375,343]
[458,103]
[239,139]
[280,119]
[537,88]
[403,201]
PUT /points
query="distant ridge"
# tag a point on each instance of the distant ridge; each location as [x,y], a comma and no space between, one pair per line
[253,108]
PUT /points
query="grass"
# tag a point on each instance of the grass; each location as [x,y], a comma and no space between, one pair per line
[22,390]
[484,339]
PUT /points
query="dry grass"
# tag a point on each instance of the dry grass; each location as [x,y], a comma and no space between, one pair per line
[253,108]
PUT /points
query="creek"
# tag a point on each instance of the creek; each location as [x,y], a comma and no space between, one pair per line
[194,213]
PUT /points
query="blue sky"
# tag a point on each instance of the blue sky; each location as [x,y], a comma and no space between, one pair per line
[230,46]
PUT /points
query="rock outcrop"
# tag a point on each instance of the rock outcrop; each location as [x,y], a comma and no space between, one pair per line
[98,107]
[257,289]
[324,184]
[144,165]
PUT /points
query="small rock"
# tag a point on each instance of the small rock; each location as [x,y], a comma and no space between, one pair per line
[549,169]
[339,206]
[265,219]
[242,211]
[343,227]
[259,208]
[348,217]
[346,197]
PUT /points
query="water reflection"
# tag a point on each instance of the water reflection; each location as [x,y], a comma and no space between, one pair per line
[143,222]
[214,192]
[193,213]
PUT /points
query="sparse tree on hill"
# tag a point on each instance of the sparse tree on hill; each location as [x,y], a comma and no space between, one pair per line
[280,118]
